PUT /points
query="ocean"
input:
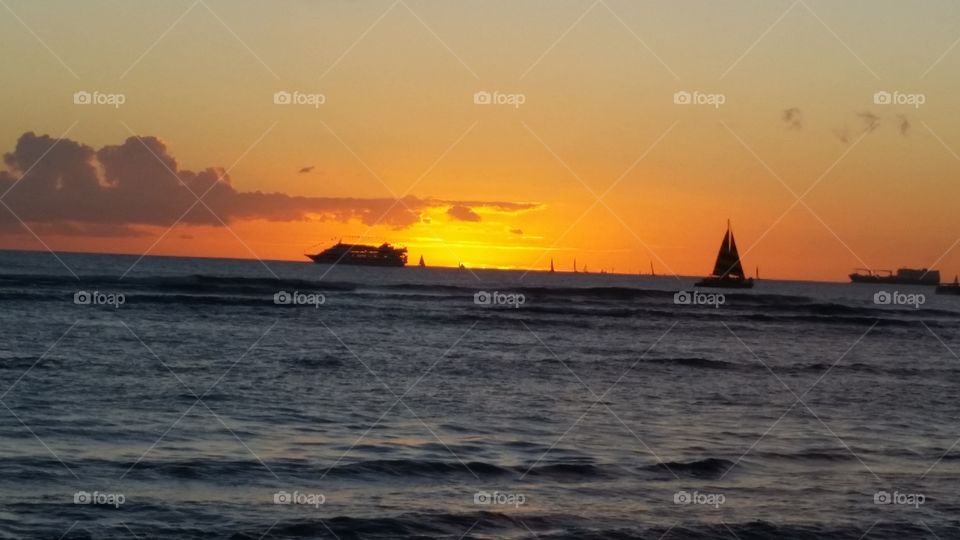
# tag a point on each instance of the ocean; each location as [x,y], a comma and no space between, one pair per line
[201,398]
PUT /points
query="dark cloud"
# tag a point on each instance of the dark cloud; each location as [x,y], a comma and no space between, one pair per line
[518,232]
[307,170]
[793,118]
[463,213]
[77,189]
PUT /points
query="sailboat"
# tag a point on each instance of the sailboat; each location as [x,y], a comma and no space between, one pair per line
[727,271]
[950,288]
[421,264]
[551,266]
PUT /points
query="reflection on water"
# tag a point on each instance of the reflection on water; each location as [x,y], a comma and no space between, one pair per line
[401,407]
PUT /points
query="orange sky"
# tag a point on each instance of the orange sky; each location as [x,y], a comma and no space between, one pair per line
[598,118]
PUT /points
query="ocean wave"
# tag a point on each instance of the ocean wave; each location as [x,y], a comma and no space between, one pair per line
[468,525]
[805,455]
[754,530]
[709,468]
[695,362]
[416,468]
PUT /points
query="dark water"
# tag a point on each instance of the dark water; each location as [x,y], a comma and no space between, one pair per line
[399,408]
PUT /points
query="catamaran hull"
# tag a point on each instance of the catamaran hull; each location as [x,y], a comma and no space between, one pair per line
[720,283]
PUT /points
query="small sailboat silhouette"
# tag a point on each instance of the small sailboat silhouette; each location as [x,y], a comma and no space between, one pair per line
[574,265]
[728,270]
[421,264]
[551,265]
[950,288]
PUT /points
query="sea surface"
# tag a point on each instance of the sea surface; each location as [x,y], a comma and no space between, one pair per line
[186,398]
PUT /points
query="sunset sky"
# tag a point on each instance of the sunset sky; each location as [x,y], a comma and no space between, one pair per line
[489,185]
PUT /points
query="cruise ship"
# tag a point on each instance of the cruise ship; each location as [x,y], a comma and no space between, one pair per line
[362,255]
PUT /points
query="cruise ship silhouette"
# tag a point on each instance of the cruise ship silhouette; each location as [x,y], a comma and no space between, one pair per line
[361,255]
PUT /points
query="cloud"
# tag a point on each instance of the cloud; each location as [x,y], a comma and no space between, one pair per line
[463,213]
[306,170]
[793,118]
[81,190]
[518,232]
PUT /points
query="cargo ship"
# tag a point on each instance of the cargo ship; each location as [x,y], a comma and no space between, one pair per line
[904,276]
[361,255]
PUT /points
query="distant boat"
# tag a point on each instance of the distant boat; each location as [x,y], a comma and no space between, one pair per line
[904,276]
[462,267]
[950,288]
[361,255]
[421,264]
[728,270]
[551,266]
[574,265]
[652,273]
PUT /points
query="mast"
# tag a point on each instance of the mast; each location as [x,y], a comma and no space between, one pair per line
[574,265]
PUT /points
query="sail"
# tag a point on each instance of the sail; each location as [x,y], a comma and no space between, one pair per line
[736,270]
[728,259]
[723,257]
